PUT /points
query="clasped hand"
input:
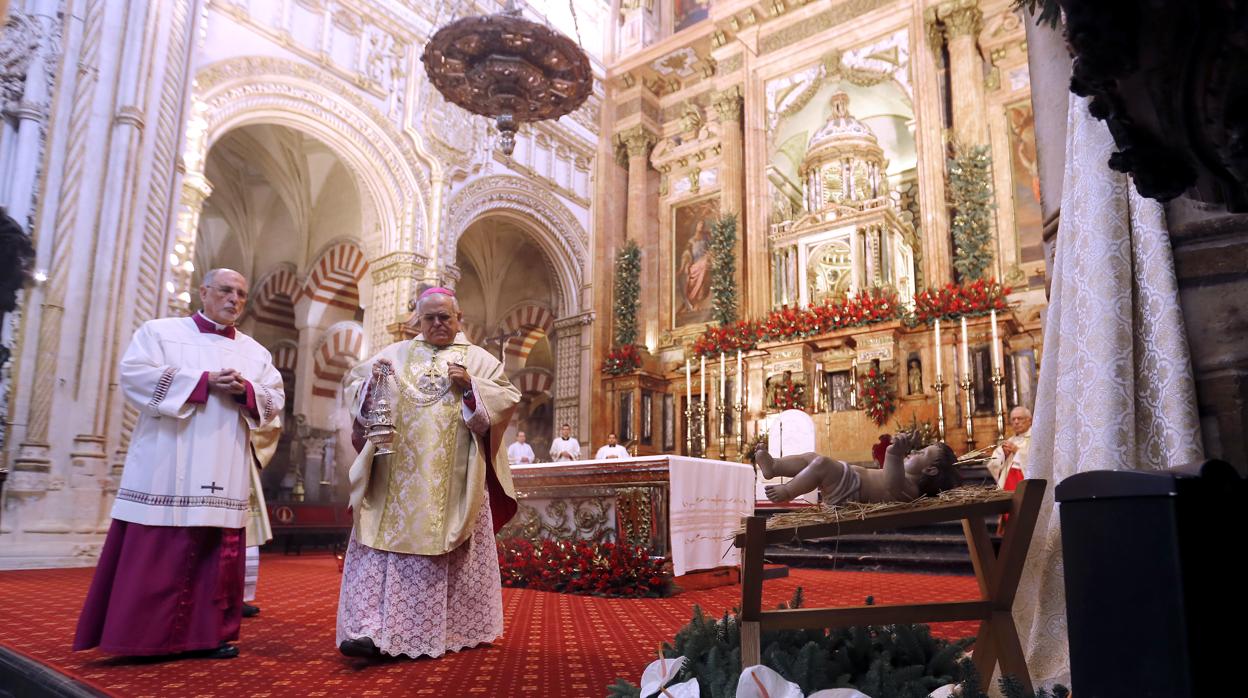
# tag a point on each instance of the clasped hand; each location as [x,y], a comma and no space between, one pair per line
[227,380]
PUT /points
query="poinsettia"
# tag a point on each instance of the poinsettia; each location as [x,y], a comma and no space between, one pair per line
[622,359]
[956,300]
[583,567]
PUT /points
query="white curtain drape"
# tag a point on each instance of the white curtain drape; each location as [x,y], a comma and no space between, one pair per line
[1115,389]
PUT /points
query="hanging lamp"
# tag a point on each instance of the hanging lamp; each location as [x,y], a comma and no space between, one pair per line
[509,68]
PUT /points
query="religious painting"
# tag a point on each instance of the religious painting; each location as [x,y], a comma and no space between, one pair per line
[691,248]
[729,414]
[841,391]
[1025,370]
[981,374]
[647,405]
[669,423]
[626,417]
[1025,176]
[686,13]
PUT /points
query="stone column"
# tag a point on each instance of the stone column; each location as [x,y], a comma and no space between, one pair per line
[642,225]
[395,278]
[963,21]
[728,106]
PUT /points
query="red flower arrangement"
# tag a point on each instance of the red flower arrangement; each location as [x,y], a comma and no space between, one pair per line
[876,396]
[622,359]
[953,301]
[863,308]
[582,567]
[791,396]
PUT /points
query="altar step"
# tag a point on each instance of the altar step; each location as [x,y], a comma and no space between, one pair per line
[938,549]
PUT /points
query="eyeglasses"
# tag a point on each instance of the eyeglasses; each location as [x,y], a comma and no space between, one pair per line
[228,291]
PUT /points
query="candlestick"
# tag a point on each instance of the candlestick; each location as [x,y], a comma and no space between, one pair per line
[940,372]
[998,395]
[702,428]
[689,429]
[723,436]
[939,387]
[969,408]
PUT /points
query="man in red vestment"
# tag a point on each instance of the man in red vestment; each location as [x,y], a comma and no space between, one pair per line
[170,576]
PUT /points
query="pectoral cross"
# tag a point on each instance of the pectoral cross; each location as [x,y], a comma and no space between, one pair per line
[212,488]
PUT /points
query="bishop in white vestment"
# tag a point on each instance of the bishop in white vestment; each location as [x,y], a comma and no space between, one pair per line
[421,574]
[170,576]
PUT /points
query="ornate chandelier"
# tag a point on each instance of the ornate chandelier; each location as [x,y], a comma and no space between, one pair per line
[509,68]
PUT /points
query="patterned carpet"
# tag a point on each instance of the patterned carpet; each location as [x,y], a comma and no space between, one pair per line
[555,645]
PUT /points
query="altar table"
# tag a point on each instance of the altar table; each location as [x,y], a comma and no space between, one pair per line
[688,508]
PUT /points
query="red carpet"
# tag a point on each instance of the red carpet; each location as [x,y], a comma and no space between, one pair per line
[555,645]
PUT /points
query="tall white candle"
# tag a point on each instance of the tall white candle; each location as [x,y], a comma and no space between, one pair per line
[936,351]
[723,381]
[688,384]
[702,380]
[740,380]
[966,353]
[996,345]
[818,384]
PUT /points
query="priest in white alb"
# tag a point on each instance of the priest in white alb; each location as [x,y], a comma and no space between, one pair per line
[612,449]
[421,573]
[170,576]
[565,446]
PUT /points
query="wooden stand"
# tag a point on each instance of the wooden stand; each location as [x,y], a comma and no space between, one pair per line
[998,576]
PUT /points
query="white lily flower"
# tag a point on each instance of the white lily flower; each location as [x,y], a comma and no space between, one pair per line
[838,693]
[759,681]
[946,691]
[659,673]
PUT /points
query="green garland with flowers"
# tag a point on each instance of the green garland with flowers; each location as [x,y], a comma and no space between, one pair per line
[724,269]
[625,354]
[876,396]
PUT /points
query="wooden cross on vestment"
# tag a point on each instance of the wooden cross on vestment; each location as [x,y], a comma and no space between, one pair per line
[501,340]
[212,487]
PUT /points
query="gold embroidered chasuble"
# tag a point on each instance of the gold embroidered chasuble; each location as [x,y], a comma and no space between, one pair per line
[423,499]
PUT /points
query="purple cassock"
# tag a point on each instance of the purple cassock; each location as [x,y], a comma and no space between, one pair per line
[170,576]
[163,590]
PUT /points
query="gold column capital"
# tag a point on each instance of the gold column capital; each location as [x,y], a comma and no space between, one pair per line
[728,104]
[636,141]
[961,17]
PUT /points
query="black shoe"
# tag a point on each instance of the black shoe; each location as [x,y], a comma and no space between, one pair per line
[360,647]
[250,611]
[225,651]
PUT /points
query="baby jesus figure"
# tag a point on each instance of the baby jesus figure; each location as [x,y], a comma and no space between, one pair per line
[905,476]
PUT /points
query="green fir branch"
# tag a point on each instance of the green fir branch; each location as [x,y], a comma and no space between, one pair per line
[724,269]
[627,293]
[971,201]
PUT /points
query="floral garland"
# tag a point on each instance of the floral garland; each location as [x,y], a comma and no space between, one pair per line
[971,201]
[876,396]
[869,307]
[960,300]
[863,308]
[627,292]
[582,567]
[791,396]
[622,360]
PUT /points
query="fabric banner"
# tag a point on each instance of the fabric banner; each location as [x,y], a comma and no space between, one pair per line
[1116,389]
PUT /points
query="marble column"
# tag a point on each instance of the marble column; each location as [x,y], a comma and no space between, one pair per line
[642,225]
[727,106]
[962,22]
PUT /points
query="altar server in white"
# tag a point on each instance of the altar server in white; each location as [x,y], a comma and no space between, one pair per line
[170,576]
[613,449]
[520,451]
[565,446]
